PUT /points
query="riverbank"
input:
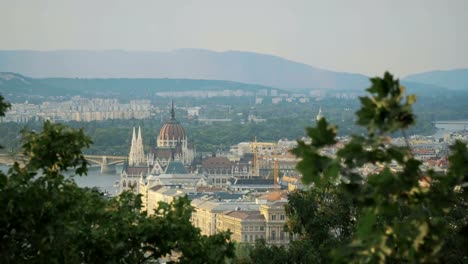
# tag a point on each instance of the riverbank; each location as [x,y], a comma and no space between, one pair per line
[105,182]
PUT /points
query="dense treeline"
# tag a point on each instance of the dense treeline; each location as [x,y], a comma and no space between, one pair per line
[46,218]
[406,215]
[21,88]
[285,120]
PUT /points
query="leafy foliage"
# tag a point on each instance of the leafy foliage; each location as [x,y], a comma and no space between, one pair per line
[385,111]
[313,163]
[397,218]
[65,143]
[3,107]
[319,226]
[265,254]
[46,218]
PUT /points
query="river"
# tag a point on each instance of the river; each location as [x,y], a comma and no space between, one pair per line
[448,128]
[106,181]
[103,181]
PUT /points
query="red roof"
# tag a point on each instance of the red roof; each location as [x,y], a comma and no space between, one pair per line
[217,162]
[136,170]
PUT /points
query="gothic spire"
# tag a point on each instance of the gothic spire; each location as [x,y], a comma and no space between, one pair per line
[131,155]
[139,139]
[139,150]
[172,110]
[319,115]
[133,136]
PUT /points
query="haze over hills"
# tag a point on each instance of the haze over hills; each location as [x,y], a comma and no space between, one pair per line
[452,79]
[238,66]
[235,66]
[17,87]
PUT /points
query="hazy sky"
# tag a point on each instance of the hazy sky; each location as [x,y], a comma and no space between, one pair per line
[365,36]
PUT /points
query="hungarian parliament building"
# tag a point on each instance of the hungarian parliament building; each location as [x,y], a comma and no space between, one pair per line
[172,148]
[224,190]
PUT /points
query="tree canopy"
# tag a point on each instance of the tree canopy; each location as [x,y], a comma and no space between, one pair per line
[399,214]
[46,218]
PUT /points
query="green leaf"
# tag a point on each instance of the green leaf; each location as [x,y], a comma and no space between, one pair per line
[322,135]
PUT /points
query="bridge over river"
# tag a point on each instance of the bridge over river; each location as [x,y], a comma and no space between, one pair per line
[107,163]
[451,125]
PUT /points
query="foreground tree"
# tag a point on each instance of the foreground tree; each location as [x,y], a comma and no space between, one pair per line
[398,217]
[400,214]
[46,218]
[3,106]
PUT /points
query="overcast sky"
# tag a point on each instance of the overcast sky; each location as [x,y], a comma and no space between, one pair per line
[363,36]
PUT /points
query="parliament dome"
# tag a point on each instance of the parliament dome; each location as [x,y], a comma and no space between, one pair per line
[172,129]
[171,132]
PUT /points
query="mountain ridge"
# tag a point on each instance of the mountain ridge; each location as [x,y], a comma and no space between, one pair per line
[18,87]
[21,86]
[238,66]
[200,64]
[455,79]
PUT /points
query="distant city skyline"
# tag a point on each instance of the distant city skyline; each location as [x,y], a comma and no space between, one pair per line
[362,36]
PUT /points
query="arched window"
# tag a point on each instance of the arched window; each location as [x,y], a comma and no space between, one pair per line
[124,184]
[273,235]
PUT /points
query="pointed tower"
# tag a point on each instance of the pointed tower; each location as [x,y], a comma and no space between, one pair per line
[319,115]
[140,153]
[131,155]
[172,110]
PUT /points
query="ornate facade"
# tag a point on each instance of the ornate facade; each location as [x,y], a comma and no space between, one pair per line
[172,143]
[137,153]
[137,165]
[171,146]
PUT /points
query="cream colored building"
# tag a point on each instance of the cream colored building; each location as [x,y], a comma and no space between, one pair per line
[267,223]
[159,193]
[165,187]
[245,226]
[143,191]
[206,211]
[275,218]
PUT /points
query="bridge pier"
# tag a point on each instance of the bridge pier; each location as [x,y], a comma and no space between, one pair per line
[105,168]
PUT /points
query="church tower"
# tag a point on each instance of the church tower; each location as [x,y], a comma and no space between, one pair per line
[319,115]
[137,166]
[136,156]
[131,155]
[140,152]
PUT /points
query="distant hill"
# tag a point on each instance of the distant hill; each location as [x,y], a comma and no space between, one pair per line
[422,89]
[14,84]
[237,66]
[17,86]
[452,79]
